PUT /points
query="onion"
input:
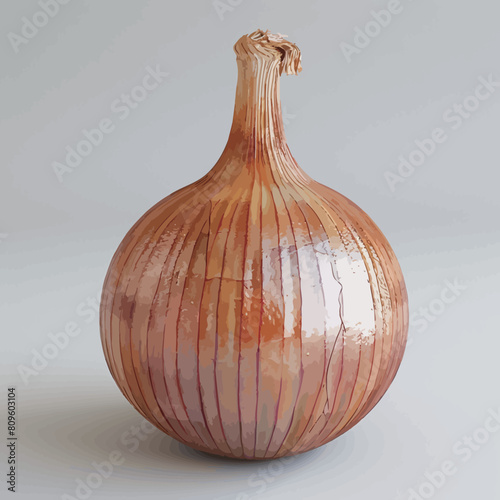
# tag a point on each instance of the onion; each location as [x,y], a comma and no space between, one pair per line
[255,313]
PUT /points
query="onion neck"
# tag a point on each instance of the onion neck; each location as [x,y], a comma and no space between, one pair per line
[257,112]
[257,120]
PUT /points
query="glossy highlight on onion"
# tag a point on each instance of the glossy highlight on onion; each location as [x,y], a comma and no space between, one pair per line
[255,313]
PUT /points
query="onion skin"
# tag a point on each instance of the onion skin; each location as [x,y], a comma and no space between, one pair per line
[255,313]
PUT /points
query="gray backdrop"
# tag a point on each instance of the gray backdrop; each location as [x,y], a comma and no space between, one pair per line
[425,77]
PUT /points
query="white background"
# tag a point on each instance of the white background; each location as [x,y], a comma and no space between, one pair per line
[347,123]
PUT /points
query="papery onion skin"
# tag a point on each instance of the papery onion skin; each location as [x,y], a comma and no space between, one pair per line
[255,313]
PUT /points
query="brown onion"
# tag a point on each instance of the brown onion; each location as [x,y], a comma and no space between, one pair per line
[255,313]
